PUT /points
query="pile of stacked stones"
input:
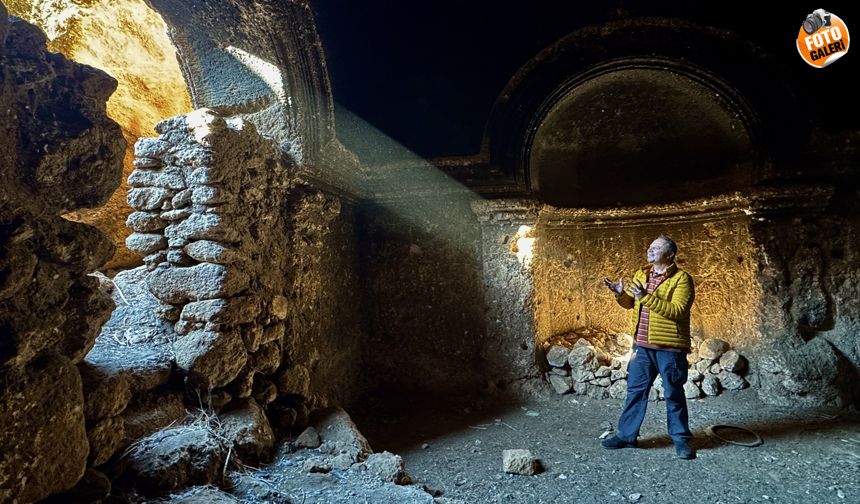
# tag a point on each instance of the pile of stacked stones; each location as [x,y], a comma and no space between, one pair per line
[198,191]
[714,368]
[585,370]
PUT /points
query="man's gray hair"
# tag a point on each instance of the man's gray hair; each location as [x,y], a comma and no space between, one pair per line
[673,247]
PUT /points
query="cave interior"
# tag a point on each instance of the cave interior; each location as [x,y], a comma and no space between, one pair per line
[244,241]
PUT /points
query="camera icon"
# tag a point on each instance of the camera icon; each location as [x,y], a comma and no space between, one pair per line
[816,20]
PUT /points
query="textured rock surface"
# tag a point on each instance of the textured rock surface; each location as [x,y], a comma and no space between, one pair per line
[177,457]
[339,433]
[61,153]
[247,429]
[151,413]
[212,359]
[387,467]
[42,434]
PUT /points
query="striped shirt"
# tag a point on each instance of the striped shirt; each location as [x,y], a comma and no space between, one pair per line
[654,280]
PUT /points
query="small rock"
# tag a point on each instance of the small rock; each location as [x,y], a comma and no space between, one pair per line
[603,372]
[148,198]
[733,362]
[582,375]
[316,465]
[309,438]
[702,366]
[731,381]
[145,243]
[618,390]
[691,390]
[618,374]
[712,348]
[519,461]
[715,368]
[694,376]
[603,382]
[711,385]
[583,358]
[145,222]
[557,356]
[387,467]
[561,384]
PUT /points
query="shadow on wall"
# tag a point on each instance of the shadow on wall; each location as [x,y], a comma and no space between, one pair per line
[423,302]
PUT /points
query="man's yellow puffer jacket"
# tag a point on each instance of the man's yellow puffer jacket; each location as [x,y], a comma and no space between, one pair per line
[669,305]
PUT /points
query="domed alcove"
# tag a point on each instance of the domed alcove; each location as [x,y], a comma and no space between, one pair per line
[636,132]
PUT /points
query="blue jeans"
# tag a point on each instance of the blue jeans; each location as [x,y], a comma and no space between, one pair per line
[643,367]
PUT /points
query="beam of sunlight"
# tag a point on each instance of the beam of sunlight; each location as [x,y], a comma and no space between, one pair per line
[409,186]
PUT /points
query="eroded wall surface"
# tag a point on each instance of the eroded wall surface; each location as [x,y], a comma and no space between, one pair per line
[572,259]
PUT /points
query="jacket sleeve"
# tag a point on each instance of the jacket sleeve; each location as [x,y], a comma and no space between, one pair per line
[682,300]
[624,299]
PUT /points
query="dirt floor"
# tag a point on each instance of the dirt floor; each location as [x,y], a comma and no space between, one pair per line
[456,450]
[453,454]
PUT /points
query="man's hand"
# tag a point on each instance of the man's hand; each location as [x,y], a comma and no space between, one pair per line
[617,288]
[637,290]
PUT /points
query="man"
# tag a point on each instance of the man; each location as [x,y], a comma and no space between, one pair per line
[661,296]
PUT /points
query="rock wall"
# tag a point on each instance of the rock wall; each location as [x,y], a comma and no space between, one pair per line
[811,310]
[424,303]
[61,153]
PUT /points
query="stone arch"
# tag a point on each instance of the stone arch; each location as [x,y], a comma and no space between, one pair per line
[262,60]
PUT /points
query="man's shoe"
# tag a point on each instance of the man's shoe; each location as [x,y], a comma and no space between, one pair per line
[616,442]
[684,451]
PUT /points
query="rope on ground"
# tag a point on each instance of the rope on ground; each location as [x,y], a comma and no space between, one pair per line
[711,431]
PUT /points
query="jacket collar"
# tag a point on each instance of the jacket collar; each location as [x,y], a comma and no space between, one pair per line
[671,270]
